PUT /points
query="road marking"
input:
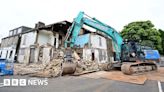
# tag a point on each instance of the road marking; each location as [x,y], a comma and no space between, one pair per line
[1,85]
[159,86]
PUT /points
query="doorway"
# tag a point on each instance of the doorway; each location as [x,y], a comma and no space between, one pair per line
[32,55]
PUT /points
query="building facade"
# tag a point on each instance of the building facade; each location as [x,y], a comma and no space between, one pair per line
[39,44]
[92,47]
[10,45]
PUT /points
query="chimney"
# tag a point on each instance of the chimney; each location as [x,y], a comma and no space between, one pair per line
[39,25]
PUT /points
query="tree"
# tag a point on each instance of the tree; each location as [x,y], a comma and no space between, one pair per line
[162,37]
[144,31]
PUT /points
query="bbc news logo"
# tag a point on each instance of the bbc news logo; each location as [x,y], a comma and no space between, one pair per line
[24,82]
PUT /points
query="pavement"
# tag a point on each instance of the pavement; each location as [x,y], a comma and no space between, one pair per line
[80,84]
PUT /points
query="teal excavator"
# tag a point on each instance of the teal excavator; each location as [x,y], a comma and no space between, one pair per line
[128,53]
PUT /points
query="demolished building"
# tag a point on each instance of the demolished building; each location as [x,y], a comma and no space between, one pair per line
[38,44]
[92,47]
[44,42]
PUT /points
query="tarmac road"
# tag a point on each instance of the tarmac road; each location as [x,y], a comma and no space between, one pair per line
[81,84]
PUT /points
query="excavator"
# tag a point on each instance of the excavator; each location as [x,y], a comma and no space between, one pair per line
[129,56]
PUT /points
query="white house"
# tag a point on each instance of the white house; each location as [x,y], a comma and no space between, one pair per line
[10,45]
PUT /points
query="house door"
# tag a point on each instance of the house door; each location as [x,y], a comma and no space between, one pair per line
[32,55]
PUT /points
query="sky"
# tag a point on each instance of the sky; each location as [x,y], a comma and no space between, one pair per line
[116,13]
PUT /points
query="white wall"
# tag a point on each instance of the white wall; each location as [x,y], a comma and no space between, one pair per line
[28,39]
[23,57]
[6,53]
[57,40]
[87,55]
[95,42]
[45,37]
[19,30]
[46,55]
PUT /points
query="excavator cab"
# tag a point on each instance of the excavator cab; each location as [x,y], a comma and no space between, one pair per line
[135,59]
[131,51]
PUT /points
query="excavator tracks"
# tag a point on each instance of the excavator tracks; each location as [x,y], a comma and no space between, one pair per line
[136,68]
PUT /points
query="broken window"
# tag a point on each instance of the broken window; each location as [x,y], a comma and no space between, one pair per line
[6,54]
[1,54]
[11,52]
[55,41]
[60,40]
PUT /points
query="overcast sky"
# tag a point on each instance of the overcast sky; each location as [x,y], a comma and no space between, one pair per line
[116,13]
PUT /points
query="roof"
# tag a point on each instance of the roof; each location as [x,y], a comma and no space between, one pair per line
[27,28]
[61,26]
[24,28]
[57,23]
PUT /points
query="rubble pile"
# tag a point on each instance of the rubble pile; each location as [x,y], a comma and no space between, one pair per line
[23,69]
[52,69]
[57,66]
[86,65]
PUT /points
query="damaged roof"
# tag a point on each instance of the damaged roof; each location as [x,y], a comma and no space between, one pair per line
[61,26]
[55,27]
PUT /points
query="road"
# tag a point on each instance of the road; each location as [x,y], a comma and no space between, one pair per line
[81,84]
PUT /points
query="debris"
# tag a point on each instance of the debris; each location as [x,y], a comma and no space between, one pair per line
[83,72]
[105,66]
[119,76]
[159,75]
[76,56]
[52,69]
[23,69]
[86,66]
[95,75]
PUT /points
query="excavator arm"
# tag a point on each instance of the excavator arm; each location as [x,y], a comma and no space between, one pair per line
[83,19]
